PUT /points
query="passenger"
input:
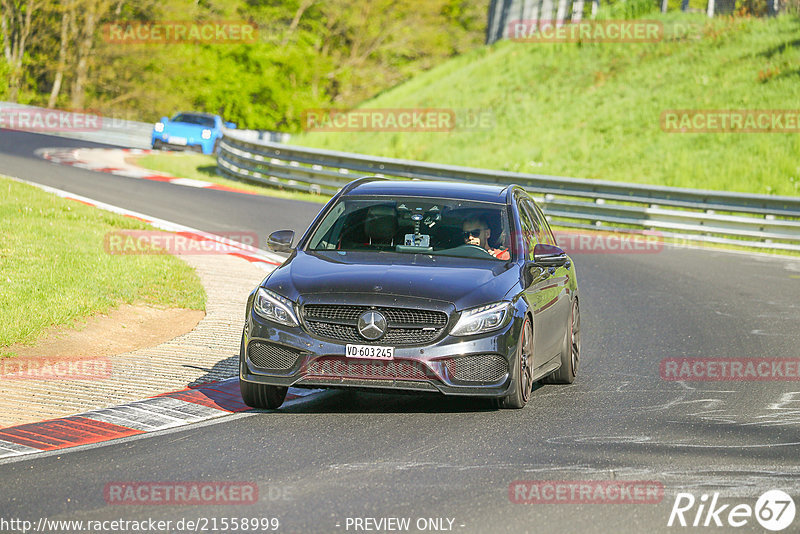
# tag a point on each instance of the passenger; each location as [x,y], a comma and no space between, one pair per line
[477,232]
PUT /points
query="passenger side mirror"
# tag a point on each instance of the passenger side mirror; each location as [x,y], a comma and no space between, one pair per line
[230,125]
[281,241]
[549,256]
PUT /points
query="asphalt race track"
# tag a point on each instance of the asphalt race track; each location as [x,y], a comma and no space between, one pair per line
[340,455]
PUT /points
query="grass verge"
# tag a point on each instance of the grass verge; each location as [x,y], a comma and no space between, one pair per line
[55,271]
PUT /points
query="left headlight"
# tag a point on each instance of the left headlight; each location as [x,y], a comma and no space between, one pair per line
[482,319]
[275,308]
[159,127]
[206,134]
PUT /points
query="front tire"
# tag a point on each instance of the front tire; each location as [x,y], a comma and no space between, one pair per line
[523,383]
[262,396]
[571,350]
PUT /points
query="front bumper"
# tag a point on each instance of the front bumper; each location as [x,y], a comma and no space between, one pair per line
[206,146]
[430,368]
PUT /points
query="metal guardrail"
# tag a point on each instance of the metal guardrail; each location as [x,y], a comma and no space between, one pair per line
[759,221]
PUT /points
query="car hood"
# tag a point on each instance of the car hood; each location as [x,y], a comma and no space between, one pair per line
[464,282]
[183,129]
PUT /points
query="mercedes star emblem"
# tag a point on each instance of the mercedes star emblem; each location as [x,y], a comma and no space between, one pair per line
[371,325]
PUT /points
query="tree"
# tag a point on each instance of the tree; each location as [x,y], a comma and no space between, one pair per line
[89,14]
[310,53]
[67,28]
[15,25]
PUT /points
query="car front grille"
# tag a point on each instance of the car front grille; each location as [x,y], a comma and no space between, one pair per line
[405,326]
[321,381]
[271,357]
[488,368]
[368,369]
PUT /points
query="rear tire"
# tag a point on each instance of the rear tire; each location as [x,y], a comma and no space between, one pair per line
[523,382]
[261,396]
[570,350]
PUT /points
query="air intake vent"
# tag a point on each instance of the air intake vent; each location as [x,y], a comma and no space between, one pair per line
[271,357]
[487,368]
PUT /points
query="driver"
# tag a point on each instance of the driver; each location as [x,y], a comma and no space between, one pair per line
[477,232]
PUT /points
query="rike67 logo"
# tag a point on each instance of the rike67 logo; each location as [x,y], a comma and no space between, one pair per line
[774,511]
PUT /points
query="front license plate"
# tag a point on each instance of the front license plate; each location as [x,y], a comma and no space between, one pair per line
[370,352]
[178,140]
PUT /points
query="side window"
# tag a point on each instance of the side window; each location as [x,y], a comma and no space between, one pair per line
[541,233]
[329,229]
[528,228]
[546,226]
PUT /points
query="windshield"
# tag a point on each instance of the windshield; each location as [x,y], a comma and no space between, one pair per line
[190,118]
[415,225]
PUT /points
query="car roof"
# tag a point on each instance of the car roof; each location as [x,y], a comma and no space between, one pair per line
[196,113]
[420,188]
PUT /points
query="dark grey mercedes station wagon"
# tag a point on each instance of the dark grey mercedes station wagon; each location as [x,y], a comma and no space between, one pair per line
[439,287]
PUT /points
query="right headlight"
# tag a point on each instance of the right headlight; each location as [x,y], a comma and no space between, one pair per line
[159,127]
[274,307]
[482,319]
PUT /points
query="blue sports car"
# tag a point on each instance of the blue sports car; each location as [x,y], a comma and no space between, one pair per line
[190,131]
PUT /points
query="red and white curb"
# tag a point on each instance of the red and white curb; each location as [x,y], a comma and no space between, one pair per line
[112,161]
[168,410]
[161,412]
[204,240]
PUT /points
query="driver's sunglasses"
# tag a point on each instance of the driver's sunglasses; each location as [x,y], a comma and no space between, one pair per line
[473,233]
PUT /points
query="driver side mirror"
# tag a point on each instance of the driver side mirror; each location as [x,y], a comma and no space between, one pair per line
[545,257]
[230,125]
[281,241]
[549,256]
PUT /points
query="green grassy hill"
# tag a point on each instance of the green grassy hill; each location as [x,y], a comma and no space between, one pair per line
[593,110]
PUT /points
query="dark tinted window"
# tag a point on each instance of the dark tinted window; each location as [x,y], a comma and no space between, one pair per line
[528,228]
[545,225]
[415,225]
[538,224]
[191,118]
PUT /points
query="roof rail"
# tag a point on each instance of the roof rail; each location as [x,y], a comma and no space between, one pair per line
[511,192]
[363,180]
